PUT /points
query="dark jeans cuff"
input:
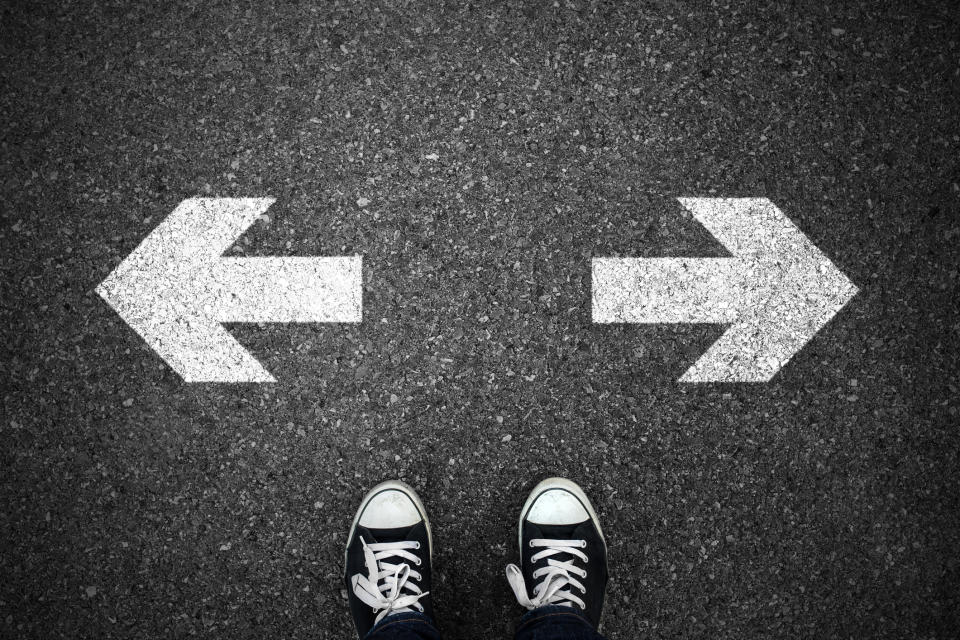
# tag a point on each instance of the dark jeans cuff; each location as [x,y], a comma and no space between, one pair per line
[563,619]
[407,619]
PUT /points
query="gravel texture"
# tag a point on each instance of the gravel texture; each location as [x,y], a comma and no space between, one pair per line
[478,156]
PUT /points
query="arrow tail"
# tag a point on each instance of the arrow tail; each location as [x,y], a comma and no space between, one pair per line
[665,290]
[288,289]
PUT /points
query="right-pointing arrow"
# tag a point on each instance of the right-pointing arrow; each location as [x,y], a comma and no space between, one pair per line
[776,291]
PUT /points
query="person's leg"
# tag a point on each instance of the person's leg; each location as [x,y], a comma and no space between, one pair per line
[404,626]
[563,565]
[556,622]
[387,566]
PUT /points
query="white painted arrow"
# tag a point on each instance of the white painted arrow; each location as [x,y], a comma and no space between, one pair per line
[776,291]
[176,289]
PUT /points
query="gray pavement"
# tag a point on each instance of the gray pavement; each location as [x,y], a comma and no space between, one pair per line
[495,149]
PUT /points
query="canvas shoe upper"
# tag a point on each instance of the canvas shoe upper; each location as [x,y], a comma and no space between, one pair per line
[563,556]
[387,565]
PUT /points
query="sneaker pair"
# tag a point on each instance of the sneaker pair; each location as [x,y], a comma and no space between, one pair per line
[563,555]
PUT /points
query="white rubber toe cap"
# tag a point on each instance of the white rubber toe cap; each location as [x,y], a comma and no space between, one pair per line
[557,506]
[389,509]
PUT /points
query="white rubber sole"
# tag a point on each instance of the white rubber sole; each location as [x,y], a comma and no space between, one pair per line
[383,486]
[566,485]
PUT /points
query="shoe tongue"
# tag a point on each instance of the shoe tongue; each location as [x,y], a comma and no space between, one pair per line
[556,531]
[398,534]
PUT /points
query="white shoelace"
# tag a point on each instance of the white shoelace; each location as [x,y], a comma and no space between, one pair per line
[557,575]
[382,587]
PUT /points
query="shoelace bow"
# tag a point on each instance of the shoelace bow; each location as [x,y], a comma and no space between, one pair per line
[382,587]
[557,575]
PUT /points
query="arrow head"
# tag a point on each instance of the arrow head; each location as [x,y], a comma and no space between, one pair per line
[787,289]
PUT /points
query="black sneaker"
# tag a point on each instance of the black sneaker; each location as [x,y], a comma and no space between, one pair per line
[562,551]
[388,556]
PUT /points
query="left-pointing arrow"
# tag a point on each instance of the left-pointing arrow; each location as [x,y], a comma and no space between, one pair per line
[176,289]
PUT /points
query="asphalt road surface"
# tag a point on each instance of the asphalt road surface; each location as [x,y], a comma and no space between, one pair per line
[478,157]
